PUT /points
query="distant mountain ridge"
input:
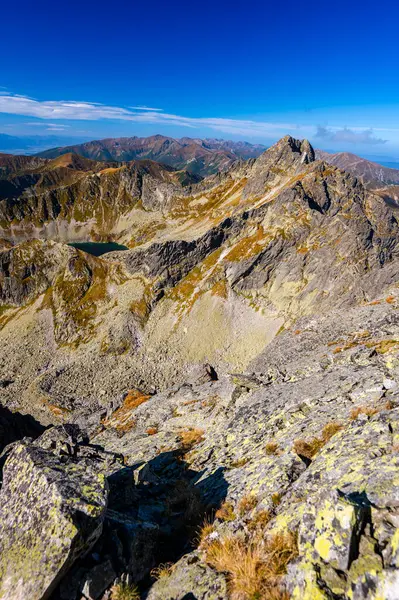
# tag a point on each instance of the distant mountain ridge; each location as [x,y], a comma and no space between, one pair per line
[372,174]
[199,156]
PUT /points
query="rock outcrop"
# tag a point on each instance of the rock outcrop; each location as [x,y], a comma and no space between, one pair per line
[52,510]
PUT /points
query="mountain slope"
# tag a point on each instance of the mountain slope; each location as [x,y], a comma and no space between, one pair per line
[71,197]
[227,262]
[202,157]
[372,174]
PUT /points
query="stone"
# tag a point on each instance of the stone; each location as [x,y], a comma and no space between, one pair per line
[98,579]
[51,512]
[389,384]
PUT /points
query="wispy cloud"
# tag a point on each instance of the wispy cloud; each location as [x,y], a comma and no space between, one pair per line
[146,108]
[90,111]
[53,113]
[46,124]
[351,136]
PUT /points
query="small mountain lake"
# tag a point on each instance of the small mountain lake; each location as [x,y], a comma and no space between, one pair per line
[97,248]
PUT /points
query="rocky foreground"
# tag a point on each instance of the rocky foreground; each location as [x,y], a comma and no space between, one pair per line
[214,413]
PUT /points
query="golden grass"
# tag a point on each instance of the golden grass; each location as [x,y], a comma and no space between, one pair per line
[259,520]
[276,499]
[384,346]
[190,437]
[162,571]
[225,512]
[124,591]
[253,567]
[248,246]
[329,430]
[309,448]
[369,411]
[122,419]
[204,533]
[239,463]
[220,289]
[152,430]
[272,448]
[247,503]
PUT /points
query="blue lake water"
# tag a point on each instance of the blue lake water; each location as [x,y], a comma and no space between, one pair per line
[97,248]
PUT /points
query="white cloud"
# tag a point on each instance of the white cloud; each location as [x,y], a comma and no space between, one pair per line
[52,112]
[90,111]
[46,124]
[351,136]
[146,108]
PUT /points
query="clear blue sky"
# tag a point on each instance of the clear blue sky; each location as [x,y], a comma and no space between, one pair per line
[255,70]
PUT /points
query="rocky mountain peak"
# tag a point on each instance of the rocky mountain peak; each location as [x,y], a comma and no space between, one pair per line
[288,150]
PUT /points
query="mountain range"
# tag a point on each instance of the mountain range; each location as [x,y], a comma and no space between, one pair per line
[202,157]
[212,412]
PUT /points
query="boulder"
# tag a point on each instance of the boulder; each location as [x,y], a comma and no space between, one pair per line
[51,512]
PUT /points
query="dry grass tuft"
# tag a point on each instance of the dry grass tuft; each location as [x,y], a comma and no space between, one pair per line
[239,463]
[259,520]
[309,448]
[247,503]
[253,567]
[190,438]
[152,430]
[163,570]
[122,419]
[363,410]
[272,448]
[225,512]
[276,498]
[124,591]
[205,533]
[329,430]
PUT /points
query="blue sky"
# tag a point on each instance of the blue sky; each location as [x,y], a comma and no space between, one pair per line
[251,70]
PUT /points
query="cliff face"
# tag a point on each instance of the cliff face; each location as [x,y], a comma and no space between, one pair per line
[244,352]
[72,198]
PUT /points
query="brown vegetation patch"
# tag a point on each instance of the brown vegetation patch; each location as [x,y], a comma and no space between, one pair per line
[259,520]
[248,246]
[239,463]
[163,570]
[122,419]
[225,512]
[253,567]
[220,289]
[247,503]
[272,448]
[369,411]
[190,437]
[309,448]
[384,346]
[152,430]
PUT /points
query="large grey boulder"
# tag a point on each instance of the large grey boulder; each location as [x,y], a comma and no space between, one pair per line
[51,512]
